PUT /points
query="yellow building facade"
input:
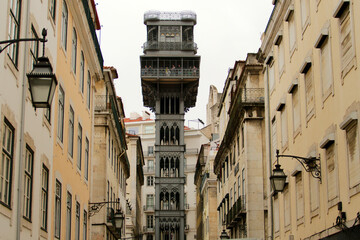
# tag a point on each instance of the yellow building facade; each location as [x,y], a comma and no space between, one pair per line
[79,64]
[311,52]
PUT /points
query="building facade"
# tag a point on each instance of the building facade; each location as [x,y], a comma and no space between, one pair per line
[240,161]
[310,50]
[25,133]
[169,78]
[133,187]
[79,64]
[144,127]
[110,165]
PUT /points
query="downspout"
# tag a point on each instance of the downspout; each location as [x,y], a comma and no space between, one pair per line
[22,126]
[269,149]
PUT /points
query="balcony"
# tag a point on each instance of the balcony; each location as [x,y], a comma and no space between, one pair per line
[149,170]
[237,211]
[148,229]
[149,208]
[102,103]
[170,73]
[252,95]
[170,46]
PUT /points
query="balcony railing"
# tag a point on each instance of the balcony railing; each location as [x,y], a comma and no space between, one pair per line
[236,212]
[204,177]
[170,46]
[147,229]
[169,73]
[149,208]
[252,95]
[102,103]
[149,170]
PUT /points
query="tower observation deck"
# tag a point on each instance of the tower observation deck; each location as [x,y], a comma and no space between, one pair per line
[169,79]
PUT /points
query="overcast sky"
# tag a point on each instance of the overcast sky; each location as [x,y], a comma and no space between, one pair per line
[226,31]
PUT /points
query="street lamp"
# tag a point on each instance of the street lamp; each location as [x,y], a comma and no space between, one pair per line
[224,235]
[42,80]
[119,219]
[278,177]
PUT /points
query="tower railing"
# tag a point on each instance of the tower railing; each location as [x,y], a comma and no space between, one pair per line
[170,72]
[170,46]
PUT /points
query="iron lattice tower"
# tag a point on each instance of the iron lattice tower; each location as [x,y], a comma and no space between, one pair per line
[169,78]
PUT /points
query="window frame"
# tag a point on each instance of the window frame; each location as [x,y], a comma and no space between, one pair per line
[8,152]
[44,198]
[68,215]
[64,25]
[61,111]
[74,47]
[79,145]
[28,183]
[15,21]
[71,132]
[86,160]
[57,222]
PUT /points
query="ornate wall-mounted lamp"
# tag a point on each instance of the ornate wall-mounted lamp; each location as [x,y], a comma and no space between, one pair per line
[42,80]
[278,178]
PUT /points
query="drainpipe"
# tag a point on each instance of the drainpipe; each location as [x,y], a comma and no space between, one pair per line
[22,126]
[269,149]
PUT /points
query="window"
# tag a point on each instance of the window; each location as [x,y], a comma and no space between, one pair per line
[309,90]
[235,191]
[149,129]
[64,24]
[276,214]
[44,197]
[284,127]
[68,215]
[331,173]
[296,108]
[281,57]
[150,180]
[71,132]
[85,225]
[243,183]
[151,150]
[238,142]
[82,73]
[273,139]
[346,39]
[271,76]
[79,144]
[14,29]
[60,129]
[52,9]
[74,51]
[57,209]
[150,221]
[314,193]
[305,12]
[109,144]
[325,66]
[77,221]
[352,142]
[291,29]
[34,47]
[242,137]
[86,163]
[149,200]
[231,197]
[299,196]
[88,93]
[287,209]
[6,163]
[239,184]
[28,177]
[47,114]
[150,165]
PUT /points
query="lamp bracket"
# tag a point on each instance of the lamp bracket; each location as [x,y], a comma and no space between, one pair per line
[12,41]
[311,164]
[95,207]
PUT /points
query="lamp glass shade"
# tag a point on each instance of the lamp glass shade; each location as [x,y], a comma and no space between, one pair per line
[224,235]
[42,83]
[119,219]
[278,179]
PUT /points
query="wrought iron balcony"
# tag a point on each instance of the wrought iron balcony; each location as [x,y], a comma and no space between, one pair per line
[170,73]
[149,208]
[170,46]
[252,95]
